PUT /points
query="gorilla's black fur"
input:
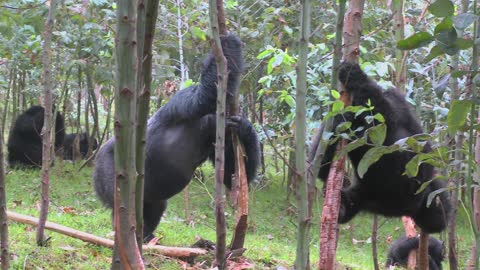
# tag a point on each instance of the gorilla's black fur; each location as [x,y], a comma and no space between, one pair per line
[400,249]
[25,140]
[384,188]
[180,137]
[83,141]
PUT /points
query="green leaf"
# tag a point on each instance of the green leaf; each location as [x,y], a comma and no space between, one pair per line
[290,101]
[433,194]
[335,94]
[199,33]
[446,41]
[337,106]
[445,25]
[377,134]
[351,146]
[464,20]
[434,52]
[417,40]
[343,127]
[372,156]
[264,54]
[464,44]
[457,115]
[441,8]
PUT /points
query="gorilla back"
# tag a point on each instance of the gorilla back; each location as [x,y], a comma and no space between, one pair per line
[25,140]
[180,137]
[400,250]
[83,142]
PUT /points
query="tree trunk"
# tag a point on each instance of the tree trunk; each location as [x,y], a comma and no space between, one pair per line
[126,254]
[353,30]
[400,55]
[47,124]
[374,242]
[331,206]
[337,50]
[4,255]
[217,15]
[454,182]
[302,260]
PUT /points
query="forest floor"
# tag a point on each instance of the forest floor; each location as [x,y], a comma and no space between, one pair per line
[270,241]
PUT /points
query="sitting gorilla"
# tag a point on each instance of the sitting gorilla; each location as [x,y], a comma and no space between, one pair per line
[25,140]
[83,141]
[384,189]
[180,137]
[400,249]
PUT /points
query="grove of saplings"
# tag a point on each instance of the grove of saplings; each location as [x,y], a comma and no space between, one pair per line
[181,136]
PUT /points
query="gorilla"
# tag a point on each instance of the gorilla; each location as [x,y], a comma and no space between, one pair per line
[384,189]
[83,141]
[400,249]
[180,137]
[25,140]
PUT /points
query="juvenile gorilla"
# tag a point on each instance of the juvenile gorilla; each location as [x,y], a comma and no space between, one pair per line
[180,137]
[25,140]
[83,141]
[384,188]
[400,249]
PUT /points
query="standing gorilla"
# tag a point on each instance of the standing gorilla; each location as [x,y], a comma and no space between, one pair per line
[83,142]
[180,137]
[384,188]
[25,140]
[400,249]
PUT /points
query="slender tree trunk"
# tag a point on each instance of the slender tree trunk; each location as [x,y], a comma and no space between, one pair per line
[4,254]
[374,242]
[337,50]
[302,260]
[400,80]
[145,80]
[423,251]
[126,254]
[47,124]
[7,99]
[353,30]
[94,110]
[400,55]
[216,15]
[331,206]
[454,182]
[471,152]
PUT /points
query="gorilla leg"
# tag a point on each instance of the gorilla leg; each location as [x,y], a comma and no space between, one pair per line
[434,218]
[152,213]
[248,137]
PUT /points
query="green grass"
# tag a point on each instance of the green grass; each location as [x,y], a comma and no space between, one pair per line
[270,241]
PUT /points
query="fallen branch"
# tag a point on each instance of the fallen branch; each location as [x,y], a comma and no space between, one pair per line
[96,240]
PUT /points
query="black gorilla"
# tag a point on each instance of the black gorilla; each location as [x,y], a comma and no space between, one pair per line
[83,141]
[384,188]
[400,249]
[180,137]
[25,140]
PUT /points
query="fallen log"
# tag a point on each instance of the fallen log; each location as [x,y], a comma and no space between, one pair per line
[100,241]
